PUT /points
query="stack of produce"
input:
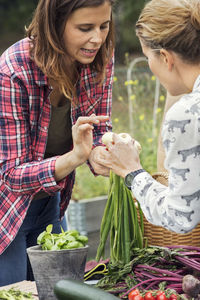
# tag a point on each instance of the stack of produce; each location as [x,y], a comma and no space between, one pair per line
[120,218]
[174,270]
[135,271]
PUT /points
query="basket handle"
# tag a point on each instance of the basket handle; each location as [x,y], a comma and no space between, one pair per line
[161,177]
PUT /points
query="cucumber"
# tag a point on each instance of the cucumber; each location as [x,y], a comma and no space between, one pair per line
[75,290]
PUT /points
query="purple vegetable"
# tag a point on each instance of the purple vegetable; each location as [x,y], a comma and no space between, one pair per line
[191,285]
[149,273]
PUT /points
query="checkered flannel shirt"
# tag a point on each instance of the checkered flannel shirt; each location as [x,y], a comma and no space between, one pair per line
[24,120]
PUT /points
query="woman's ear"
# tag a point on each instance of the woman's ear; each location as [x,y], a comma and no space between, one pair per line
[167,58]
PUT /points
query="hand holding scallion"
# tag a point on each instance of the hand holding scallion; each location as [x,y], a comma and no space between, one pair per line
[121,154]
[120,217]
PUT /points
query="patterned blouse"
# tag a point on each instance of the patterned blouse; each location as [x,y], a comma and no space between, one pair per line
[176,207]
[24,121]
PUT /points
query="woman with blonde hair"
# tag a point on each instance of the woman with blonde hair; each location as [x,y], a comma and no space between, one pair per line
[55,104]
[169,32]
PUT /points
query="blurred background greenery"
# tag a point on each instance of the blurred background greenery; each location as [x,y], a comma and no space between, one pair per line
[15,14]
[146,125]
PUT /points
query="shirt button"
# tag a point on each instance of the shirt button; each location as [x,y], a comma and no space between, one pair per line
[45,128]
[39,158]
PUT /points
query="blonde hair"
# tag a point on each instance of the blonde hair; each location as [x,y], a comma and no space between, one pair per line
[172,25]
[48,49]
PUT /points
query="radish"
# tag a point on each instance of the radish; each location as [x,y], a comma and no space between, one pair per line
[125,137]
[191,285]
[107,138]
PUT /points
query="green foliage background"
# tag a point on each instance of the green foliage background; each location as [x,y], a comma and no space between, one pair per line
[15,14]
[126,13]
[143,96]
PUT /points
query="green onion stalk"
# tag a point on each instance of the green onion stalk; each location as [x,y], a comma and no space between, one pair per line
[123,221]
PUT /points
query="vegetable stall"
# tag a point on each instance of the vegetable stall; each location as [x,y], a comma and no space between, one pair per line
[154,269]
[135,269]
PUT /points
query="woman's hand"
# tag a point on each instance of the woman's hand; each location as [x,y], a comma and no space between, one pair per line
[82,134]
[93,159]
[122,158]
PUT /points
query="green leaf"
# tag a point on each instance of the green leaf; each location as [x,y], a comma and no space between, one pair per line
[65,240]
[83,239]
[73,245]
[49,228]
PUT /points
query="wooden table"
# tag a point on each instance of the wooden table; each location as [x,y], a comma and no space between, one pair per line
[24,286]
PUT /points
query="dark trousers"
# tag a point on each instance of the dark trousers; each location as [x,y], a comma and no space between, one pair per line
[14,262]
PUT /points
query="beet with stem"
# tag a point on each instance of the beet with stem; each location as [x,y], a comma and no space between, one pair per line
[191,285]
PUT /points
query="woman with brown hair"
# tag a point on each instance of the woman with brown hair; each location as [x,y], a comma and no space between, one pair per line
[169,33]
[55,104]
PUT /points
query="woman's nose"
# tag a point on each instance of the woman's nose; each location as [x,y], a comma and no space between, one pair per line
[96,36]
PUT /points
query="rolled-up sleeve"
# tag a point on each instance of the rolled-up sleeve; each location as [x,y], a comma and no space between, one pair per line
[21,171]
[175,207]
[105,105]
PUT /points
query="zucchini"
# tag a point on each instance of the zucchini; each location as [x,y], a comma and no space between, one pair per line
[75,290]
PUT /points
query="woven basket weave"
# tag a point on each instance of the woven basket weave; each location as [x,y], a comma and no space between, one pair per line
[159,236]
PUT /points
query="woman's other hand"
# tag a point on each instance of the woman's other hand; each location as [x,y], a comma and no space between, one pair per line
[93,159]
[122,158]
[82,134]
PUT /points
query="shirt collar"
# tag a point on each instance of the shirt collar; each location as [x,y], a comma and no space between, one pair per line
[196,84]
[40,78]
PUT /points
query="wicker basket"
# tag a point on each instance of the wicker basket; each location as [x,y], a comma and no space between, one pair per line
[159,236]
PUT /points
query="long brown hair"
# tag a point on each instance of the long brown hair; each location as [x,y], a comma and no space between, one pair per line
[172,25]
[48,50]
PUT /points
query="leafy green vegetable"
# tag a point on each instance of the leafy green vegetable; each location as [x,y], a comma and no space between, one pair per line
[70,239]
[15,294]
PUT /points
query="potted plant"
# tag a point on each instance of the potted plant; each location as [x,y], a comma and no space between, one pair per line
[57,257]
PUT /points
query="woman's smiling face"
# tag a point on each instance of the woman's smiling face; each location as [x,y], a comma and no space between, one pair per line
[85,32]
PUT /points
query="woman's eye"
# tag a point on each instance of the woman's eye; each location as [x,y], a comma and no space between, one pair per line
[104,27]
[84,29]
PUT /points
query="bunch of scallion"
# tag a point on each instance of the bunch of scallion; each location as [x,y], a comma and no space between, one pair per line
[15,294]
[121,221]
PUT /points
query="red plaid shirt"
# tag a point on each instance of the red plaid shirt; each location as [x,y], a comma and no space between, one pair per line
[24,120]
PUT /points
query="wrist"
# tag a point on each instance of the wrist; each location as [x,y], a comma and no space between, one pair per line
[130,169]
[65,164]
[128,180]
[77,160]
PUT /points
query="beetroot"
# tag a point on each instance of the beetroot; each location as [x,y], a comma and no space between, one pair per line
[191,286]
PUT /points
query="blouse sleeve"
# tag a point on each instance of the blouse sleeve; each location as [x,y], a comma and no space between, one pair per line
[177,206]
